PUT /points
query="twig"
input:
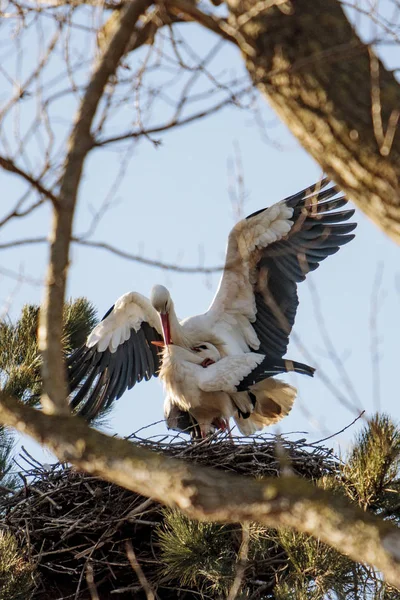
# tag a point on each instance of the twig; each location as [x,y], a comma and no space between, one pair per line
[172,124]
[241,563]
[333,354]
[193,13]
[90,582]
[159,264]
[10,166]
[21,277]
[139,572]
[146,261]
[342,430]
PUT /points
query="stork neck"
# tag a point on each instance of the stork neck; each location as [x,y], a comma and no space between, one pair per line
[177,333]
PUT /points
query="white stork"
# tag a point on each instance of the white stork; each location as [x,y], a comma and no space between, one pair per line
[253,311]
[210,389]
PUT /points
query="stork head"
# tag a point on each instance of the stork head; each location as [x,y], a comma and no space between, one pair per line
[203,354]
[161,301]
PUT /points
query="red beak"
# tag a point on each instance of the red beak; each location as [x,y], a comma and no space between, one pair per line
[166,328]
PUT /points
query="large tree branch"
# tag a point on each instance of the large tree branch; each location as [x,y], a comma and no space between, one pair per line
[80,142]
[332,92]
[203,493]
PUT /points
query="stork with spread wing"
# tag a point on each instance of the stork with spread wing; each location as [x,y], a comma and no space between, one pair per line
[249,320]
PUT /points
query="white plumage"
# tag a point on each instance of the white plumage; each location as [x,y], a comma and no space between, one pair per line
[209,392]
[247,326]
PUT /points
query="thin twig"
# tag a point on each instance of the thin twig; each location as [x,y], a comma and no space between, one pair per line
[10,166]
[189,10]
[342,430]
[148,590]
[241,563]
[147,261]
[90,582]
[172,124]
[333,354]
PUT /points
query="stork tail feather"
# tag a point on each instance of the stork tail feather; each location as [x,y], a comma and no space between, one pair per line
[274,400]
[270,367]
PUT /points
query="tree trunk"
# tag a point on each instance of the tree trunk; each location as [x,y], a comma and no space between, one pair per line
[332,92]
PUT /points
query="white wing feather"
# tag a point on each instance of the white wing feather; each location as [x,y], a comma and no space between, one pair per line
[233,308]
[226,374]
[128,313]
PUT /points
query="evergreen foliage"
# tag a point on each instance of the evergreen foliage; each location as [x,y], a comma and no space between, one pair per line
[19,354]
[20,377]
[203,556]
[20,362]
[7,481]
[202,553]
[371,471]
[16,573]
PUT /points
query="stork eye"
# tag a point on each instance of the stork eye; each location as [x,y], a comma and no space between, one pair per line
[198,348]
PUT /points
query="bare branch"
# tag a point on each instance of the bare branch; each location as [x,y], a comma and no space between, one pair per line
[9,165]
[20,277]
[375,339]
[360,416]
[21,90]
[204,493]
[90,582]
[24,242]
[139,571]
[158,264]
[241,562]
[80,142]
[185,10]
[146,261]
[172,124]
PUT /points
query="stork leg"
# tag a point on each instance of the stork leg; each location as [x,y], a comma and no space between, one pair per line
[223,425]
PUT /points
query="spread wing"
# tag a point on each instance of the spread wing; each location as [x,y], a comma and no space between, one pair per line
[117,354]
[268,254]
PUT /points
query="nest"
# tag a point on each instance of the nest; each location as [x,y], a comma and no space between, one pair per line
[74,528]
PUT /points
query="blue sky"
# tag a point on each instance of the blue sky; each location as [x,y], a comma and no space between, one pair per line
[173,204]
